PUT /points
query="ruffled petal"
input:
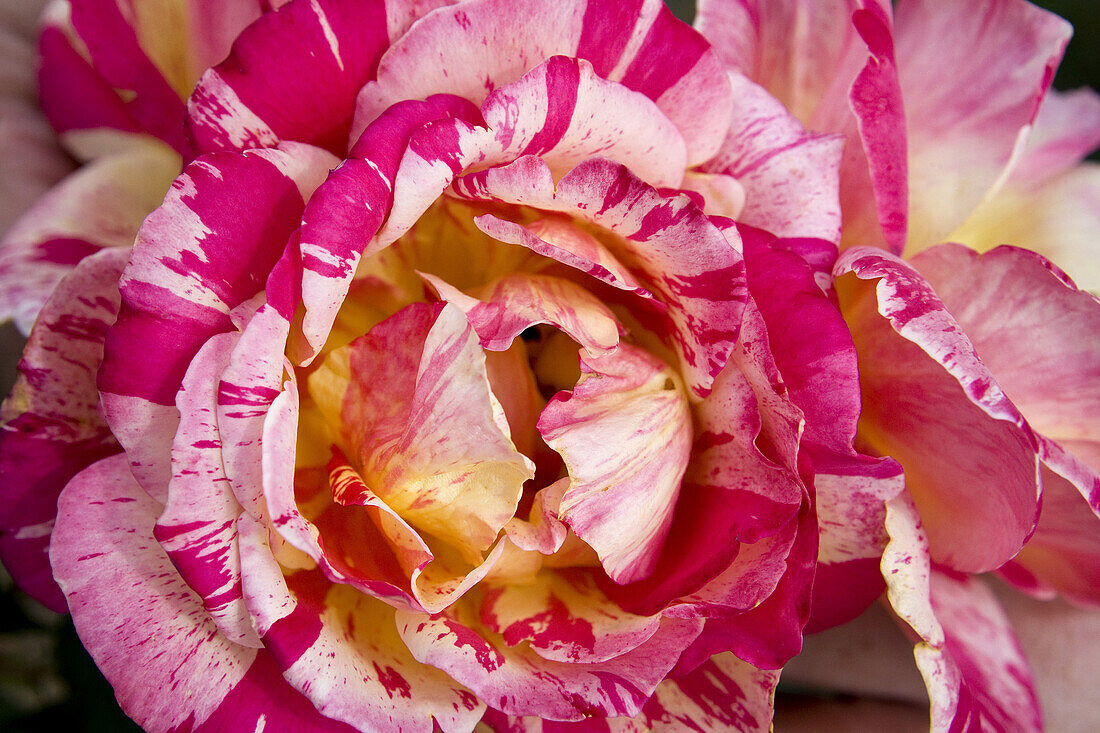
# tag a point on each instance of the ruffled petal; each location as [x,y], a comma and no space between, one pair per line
[416,414]
[517,681]
[972,664]
[630,45]
[196,259]
[197,528]
[724,693]
[320,50]
[932,404]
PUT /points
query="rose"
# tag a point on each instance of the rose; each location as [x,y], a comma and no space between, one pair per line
[281,390]
[955,302]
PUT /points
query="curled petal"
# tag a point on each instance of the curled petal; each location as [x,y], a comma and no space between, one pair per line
[932,403]
[623,488]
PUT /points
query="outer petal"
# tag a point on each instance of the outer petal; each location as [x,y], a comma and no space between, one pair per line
[1057,219]
[628,44]
[197,528]
[608,430]
[972,83]
[100,205]
[321,50]
[1036,332]
[52,427]
[123,592]
[932,404]
[973,666]
[196,259]
[832,65]
[1066,131]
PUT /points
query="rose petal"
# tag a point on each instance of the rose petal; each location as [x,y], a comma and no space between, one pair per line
[321,50]
[517,302]
[625,435]
[789,174]
[100,205]
[415,409]
[673,249]
[970,659]
[117,55]
[50,426]
[563,112]
[972,83]
[630,46]
[197,257]
[519,682]
[724,693]
[932,404]
[123,591]
[197,528]
[565,618]
[339,648]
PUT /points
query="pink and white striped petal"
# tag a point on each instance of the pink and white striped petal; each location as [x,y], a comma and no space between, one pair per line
[930,402]
[972,83]
[630,45]
[724,693]
[625,434]
[563,112]
[790,175]
[117,54]
[516,302]
[123,591]
[342,219]
[413,405]
[340,649]
[100,205]
[519,682]
[197,528]
[1035,331]
[197,257]
[973,666]
[742,483]
[564,617]
[320,50]
[377,566]
[51,427]
[769,634]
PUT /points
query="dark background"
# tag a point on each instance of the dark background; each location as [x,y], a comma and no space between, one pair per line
[48,682]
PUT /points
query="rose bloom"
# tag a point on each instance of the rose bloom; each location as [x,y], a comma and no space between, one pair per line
[484,363]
